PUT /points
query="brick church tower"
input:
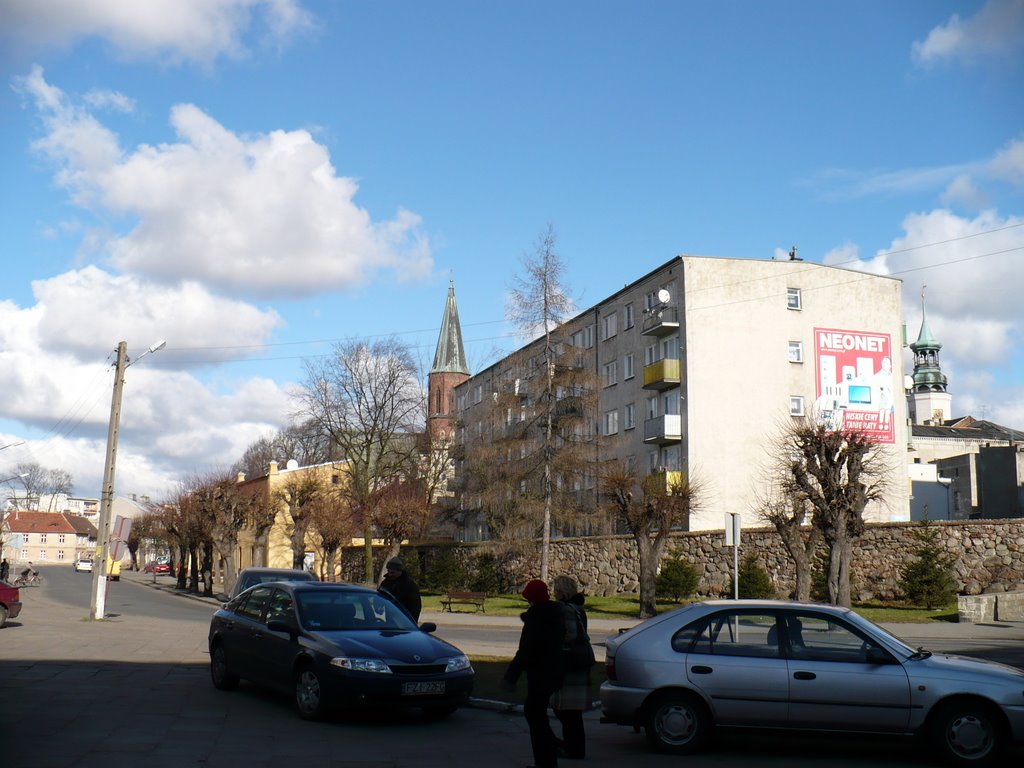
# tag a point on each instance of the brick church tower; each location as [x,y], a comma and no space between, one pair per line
[448,371]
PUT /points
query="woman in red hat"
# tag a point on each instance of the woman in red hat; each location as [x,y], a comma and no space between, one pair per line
[540,656]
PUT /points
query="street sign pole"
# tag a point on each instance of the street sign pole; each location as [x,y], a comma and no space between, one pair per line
[733,524]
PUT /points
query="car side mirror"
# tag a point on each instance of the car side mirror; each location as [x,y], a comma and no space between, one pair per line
[428,626]
[282,625]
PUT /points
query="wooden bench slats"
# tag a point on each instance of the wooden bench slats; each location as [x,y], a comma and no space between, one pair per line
[476,599]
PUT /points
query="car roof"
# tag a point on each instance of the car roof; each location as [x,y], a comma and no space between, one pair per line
[275,570]
[329,586]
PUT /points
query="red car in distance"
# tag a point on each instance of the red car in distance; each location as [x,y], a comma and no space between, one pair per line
[157,568]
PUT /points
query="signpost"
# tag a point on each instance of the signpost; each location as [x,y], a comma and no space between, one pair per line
[733,524]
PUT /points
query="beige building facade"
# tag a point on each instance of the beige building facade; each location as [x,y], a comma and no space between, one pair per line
[700,364]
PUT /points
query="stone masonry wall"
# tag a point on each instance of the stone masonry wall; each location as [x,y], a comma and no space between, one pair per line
[988,556]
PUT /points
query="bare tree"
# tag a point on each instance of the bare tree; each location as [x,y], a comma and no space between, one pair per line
[58,482]
[833,474]
[403,509]
[650,508]
[32,478]
[332,525]
[538,303]
[789,514]
[303,442]
[367,399]
[298,494]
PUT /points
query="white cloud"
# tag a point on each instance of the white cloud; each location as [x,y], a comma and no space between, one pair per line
[962,191]
[263,215]
[110,100]
[197,31]
[87,311]
[997,29]
[1008,164]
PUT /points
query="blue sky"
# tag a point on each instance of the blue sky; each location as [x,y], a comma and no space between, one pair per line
[254,179]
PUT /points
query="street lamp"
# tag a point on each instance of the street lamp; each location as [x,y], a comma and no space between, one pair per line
[97,603]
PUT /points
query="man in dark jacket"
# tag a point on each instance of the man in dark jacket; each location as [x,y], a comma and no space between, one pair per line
[400,586]
[540,656]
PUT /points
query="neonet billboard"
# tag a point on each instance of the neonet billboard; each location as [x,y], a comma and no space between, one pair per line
[854,382]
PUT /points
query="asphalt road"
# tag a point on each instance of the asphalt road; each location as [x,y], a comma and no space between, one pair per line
[135,690]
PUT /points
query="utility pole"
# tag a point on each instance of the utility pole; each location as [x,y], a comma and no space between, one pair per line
[99,569]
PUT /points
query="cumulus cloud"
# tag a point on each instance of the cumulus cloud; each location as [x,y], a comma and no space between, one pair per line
[1008,164]
[109,100]
[198,31]
[962,191]
[996,29]
[971,268]
[259,215]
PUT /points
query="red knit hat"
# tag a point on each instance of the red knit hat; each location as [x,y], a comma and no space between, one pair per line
[536,591]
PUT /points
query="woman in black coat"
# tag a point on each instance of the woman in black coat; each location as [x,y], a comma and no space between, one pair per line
[540,657]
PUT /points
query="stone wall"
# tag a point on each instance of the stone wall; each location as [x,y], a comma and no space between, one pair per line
[988,556]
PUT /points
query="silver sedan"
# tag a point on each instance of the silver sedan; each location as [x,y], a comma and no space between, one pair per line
[778,664]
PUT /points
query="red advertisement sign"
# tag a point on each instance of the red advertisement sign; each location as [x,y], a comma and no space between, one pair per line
[854,382]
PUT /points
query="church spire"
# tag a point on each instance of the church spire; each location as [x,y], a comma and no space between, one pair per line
[928,375]
[450,356]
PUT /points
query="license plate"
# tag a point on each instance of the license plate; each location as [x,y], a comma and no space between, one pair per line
[422,688]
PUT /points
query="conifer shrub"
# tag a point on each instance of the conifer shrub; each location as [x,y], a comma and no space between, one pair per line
[928,579]
[755,583]
[677,580]
[487,577]
[444,572]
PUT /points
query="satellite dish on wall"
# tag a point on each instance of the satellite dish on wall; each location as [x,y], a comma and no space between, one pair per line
[664,296]
[292,464]
[908,382]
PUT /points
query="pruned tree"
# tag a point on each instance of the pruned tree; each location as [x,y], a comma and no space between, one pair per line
[298,494]
[538,303]
[332,524]
[402,511]
[367,399]
[650,507]
[790,515]
[834,475]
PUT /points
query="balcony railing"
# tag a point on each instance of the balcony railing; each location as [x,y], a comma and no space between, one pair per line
[663,374]
[663,429]
[660,321]
[666,480]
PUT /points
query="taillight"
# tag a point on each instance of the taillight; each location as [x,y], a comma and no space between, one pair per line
[609,667]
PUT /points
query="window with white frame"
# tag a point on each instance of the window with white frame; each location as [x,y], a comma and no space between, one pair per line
[651,300]
[42,554]
[60,554]
[611,422]
[60,538]
[478,393]
[627,316]
[796,351]
[609,326]
[652,462]
[652,407]
[42,538]
[628,371]
[651,354]
[611,373]
[796,405]
[24,554]
[629,416]
[793,298]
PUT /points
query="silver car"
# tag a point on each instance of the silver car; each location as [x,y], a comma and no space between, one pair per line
[778,664]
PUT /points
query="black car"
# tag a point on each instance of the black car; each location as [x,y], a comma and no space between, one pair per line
[252,576]
[335,646]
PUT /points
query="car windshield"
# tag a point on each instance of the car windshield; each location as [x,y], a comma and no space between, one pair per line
[338,610]
[885,634]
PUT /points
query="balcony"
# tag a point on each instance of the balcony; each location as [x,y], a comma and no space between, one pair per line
[663,429]
[660,321]
[665,480]
[664,374]
[569,407]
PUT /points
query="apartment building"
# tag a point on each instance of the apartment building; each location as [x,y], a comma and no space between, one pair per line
[700,364]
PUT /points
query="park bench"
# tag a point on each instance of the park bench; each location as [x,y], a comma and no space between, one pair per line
[476,599]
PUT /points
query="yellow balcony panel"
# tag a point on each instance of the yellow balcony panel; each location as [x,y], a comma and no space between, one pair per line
[663,374]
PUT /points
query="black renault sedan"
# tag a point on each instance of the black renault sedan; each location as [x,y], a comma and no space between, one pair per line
[335,646]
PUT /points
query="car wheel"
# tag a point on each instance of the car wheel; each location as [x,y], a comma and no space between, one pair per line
[967,733]
[678,723]
[3,615]
[308,693]
[222,678]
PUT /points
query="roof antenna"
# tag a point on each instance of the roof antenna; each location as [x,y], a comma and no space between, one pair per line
[792,254]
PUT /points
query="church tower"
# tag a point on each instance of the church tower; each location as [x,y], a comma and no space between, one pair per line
[448,371]
[930,403]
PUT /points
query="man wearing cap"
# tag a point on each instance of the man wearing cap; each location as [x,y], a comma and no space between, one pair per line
[400,586]
[540,656]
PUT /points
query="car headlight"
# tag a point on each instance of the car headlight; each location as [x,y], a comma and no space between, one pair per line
[361,665]
[457,664]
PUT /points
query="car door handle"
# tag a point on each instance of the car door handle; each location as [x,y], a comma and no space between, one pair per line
[700,669]
[804,675]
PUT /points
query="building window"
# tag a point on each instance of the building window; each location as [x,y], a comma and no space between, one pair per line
[24,554]
[609,326]
[652,407]
[651,354]
[42,554]
[60,538]
[627,367]
[796,351]
[60,554]
[793,298]
[478,393]
[611,422]
[42,538]
[796,405]
[629,416]
[611,374]
[627,317]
